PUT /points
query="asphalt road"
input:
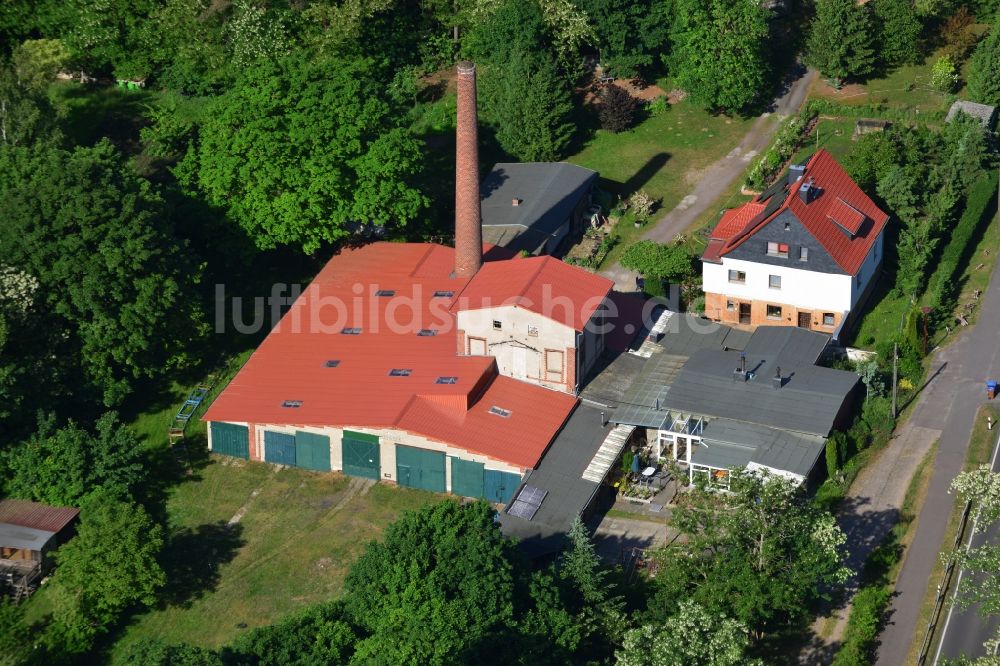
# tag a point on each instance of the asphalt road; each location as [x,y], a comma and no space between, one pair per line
[963,368]
[964,632]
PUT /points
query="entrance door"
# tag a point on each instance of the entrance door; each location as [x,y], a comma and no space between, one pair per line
[420,468]
[745,313]
[279,448]
[805,319]
[361,455]
[520,363]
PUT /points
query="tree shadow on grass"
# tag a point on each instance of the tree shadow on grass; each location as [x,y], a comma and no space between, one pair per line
[193,558]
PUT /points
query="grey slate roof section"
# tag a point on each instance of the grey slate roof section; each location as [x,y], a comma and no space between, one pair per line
[560,473]
[796,236]
[984,113]
[28,538]
[548,191]
[808,401]
[777,449]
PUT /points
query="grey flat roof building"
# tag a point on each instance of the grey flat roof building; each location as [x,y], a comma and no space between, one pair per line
[726,439]
[547,193]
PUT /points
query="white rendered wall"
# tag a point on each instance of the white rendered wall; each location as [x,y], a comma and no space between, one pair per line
[804,289]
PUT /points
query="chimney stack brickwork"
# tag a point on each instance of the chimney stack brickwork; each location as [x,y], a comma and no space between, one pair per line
[468,221]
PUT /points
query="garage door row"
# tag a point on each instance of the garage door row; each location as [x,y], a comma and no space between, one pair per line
[415,467]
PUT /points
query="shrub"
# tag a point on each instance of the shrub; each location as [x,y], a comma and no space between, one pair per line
[944,76]
[641,204]
[617,109]
[863,625]
[788,140]
[831,458]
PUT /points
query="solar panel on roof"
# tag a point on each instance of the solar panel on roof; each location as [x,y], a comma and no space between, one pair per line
[522,510]
[527,502]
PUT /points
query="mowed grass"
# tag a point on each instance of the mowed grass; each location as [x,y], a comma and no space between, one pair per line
[293,547]
[663,155]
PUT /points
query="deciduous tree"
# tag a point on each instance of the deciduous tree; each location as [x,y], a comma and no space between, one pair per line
[110,565]
[656,261]
[898,30]
[692,636]
[307,151]
[718,52]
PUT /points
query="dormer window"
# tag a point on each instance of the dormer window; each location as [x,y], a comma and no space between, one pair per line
[777,249]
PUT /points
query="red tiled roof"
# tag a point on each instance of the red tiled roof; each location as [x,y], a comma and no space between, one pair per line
[544,285]
[36,516]
[732,223]
[838,197]
[291,362]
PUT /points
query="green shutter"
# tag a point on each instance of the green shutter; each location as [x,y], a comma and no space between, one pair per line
[467,478]
[230,439]
[312,451]
[420,468]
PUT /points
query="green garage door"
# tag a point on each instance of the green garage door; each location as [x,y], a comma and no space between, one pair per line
[279,448]
[230,439]
[466,478]
[420,468]
[361,455]
[500,486]
[312,451]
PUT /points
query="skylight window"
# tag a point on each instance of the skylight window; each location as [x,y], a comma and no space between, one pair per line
[332,363]
[351,331]
[400,372]
[443,294]
[385,292]
[427,332]
[500,411]
[292,404]
[446,380]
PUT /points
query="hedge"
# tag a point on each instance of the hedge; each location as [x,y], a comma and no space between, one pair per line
[788,140]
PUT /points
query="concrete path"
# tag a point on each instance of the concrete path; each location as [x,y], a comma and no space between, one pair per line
[970,361]
[617,535]
[720,175]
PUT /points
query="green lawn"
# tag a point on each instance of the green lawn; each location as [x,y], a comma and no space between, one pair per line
[663,155]
[292,548]
[833,135]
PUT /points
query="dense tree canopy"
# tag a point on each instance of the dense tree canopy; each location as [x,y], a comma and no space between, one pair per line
[658,261]
[841,39]
[984,72]
[304,152]
[111,275]
[110,565]
[898,30]
[631,35]
[761,555]
[719,51]
[61,467]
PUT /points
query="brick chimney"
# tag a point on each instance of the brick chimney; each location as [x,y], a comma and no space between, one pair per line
[468,223]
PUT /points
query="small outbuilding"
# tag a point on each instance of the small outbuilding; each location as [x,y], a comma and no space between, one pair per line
[29,531]
[531,207]
[984,113]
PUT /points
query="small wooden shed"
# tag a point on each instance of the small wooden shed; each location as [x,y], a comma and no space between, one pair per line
[28,532]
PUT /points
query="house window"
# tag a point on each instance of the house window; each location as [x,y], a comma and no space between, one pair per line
[400,372]
[293,404]
[777,249]
[351,331]
[532,330]
[828,319]
[774,312]
[730,306]
[427,332]
[803,254]
[788,226]
[499,411]
[737,276]
[385,292]
[446,380]
[497,325]
[774,281]
[443,294]
[332,363]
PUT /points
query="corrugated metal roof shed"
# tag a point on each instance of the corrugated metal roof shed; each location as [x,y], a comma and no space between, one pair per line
[26,538]
[35,515]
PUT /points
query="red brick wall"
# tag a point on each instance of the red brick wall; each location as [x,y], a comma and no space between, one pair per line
[715,308]
[468,224]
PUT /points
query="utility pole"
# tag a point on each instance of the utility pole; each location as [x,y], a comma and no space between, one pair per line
[895,356]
